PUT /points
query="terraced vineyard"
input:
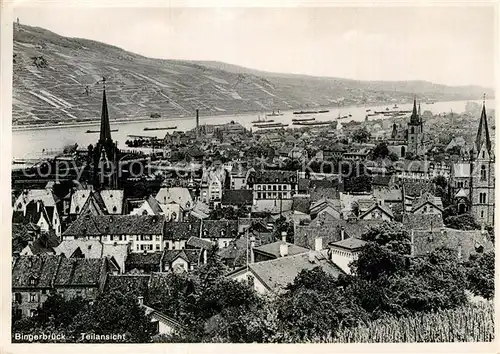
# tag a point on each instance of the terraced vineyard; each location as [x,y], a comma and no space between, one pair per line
[56,81]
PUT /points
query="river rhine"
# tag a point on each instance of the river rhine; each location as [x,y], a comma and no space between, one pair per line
[30,143]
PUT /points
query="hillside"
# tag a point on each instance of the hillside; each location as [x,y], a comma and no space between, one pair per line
[56,80]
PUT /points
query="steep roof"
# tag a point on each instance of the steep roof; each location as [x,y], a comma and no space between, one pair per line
[182,230]
[378,206]
[219,229]
[276,274]
[427,198]
[78,200]
[483,134]
[177,195]
[422,221]
[197,242]
[45,195]
[40,269]
[95,225]
[191,256]
[301,203]
[79,271]
[105,131]
[113,200]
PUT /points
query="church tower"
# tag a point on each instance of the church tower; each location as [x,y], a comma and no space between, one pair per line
[415,132]
[105,153]
[482,184]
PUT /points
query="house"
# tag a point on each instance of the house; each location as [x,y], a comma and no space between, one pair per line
[92,249]
[423,221]
[427,204]
[178,195]
[22,235]
[34,278]
[276,250]
[272,189]
[143,232]
[345,251]
[178,233]
[150,206]
[274,275]
[220,232]
[237,198]
[182,260]
[45,217]
[45,195]
[328,206]
[377,211]
[105,202]
[41,244]
[465,243]
[146,262]
[164,325]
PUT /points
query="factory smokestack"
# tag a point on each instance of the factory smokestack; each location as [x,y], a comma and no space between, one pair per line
[197,122]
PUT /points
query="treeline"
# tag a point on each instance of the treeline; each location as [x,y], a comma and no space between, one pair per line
[388,285]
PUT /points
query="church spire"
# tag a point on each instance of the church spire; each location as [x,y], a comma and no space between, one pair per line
[105,128]
[414,114]
[483,134]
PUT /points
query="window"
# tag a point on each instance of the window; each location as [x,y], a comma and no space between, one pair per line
[32,281]
[19,206]
[77,209]
[157,247]
[18,298]
[483,154]
[483,173]
[32,297]
[114,209]
[460,184]
[482,213]
[482,198]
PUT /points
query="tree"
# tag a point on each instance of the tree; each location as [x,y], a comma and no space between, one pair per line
[361,135]
[381,151]
[461,222]
[60,311]
[358,184]
[114,312]
[481,274]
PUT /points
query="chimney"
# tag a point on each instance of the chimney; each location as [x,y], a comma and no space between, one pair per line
[197,121]
[205,254]
[283,249]
[140,299]
[312,257]
[318,244]
[342,233]
[283,236]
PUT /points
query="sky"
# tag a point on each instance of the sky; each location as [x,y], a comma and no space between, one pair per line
[445,45]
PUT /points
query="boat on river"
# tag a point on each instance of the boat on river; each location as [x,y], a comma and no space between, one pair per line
[274,114]
[98,131]
[271,125]
[295,120]
[161,128]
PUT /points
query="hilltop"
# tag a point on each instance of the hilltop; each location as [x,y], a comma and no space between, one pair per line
[56,78]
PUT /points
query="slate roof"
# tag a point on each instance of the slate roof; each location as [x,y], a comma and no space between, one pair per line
[140,260]
[34,211]
[427,198]
[416,188]
[276,274]
[42,269]
[422,221]
[192,256]
[92,249]
[24,233]
[177,195]
[219,229]
[273,249]
[275,176]
[95,225]
[383,208]
[352,244]
[78,199]
[465,241]
[127,283]
[45,243]
[197,242]
[79,271]
[237,197]
[182,230]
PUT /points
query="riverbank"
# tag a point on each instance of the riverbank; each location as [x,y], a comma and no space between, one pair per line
[96,122]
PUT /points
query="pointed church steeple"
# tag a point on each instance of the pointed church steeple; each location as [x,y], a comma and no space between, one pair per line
[483,134]
[414,114]
[105,128]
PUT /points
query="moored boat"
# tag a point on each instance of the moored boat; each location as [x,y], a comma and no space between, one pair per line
[161,128]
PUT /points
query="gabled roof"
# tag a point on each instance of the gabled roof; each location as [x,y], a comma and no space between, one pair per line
[301,203]
[113,200]
[78,199]
[40,269]
[35,209]
[45,195]
[182,230]
[95,225]
[154,205]
[219,229]
[380,207]
[276,274]
[427,198]
[79,271]
[197,242]
[191,256]
[422,221]
[177,195]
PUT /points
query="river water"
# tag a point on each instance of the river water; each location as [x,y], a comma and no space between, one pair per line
[30,143]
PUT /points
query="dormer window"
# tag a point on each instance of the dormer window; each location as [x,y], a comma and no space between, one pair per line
[205,232]
[77,209]
[32,281]
[19,206]
[114,209]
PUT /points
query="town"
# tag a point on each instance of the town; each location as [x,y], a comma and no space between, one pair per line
[221,233]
